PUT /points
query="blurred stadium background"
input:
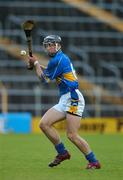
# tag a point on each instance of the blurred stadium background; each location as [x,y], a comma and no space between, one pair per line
[92,33]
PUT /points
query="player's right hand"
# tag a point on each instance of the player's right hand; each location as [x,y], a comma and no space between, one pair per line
[30,65]
[32,59]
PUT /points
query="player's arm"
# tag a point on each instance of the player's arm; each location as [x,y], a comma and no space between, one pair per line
[39,69]
[40,73]
[43,67]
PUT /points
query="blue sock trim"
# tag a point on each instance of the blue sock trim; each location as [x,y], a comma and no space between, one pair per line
[60,148]
[91,157]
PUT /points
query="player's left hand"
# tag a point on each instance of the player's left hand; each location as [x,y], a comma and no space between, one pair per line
[32,59]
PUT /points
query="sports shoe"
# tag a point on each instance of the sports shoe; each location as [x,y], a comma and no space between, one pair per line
[94,165]
[59,158]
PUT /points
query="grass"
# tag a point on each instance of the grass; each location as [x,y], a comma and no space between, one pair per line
[25,157]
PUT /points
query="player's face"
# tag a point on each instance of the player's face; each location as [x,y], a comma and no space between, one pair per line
[52,48]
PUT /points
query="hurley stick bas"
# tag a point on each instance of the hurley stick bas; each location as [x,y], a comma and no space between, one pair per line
[28,26]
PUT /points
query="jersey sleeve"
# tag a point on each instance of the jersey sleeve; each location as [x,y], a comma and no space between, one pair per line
[54,69]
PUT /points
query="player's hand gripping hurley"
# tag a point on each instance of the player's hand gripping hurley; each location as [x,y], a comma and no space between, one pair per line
[28,27]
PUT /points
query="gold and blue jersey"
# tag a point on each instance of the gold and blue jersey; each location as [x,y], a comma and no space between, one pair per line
[61,69]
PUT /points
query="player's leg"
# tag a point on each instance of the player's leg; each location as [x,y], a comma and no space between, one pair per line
[52,116]
[73,124]
[74,114]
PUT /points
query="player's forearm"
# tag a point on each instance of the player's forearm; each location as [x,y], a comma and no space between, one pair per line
[40,73]
[43,67]
[38,69]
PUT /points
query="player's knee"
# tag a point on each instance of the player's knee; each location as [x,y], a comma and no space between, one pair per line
[71,136]
[42,126]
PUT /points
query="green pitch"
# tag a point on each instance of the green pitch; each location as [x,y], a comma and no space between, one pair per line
[25,157]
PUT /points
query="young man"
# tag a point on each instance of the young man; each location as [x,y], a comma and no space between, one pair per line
[70,106]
